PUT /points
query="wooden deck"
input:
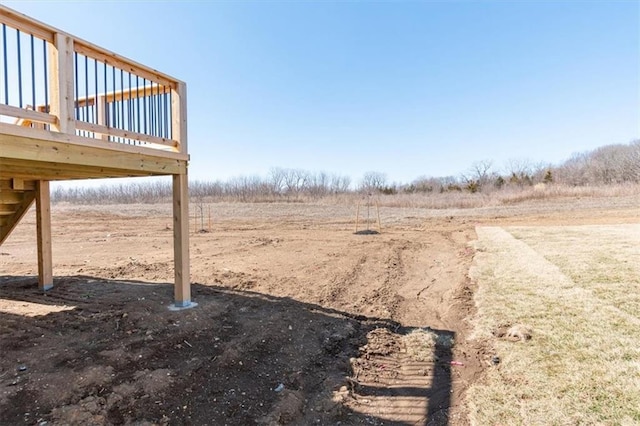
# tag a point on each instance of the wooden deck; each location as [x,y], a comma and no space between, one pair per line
[72,110]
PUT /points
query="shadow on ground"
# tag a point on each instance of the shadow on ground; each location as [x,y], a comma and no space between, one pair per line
[96,351]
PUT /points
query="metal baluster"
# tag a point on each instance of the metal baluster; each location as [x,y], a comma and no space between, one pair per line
[129,102]
[46,77]
[122,99]
[166,114]
[160,122]
[86,86]
[19,68]
[95,95]
[107,116]
[152,110]
[115,104]
[6,72]
[144,102]
[33,76]
[75,86]
[138,102]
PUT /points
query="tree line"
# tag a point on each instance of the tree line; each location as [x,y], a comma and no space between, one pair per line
[607,165]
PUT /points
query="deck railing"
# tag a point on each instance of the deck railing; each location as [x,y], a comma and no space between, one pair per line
[56,82]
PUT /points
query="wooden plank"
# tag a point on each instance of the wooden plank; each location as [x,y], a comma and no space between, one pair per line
[9,132]
[179,116]
[17,184]
[7,209]
[8,224]
[37,170]
[25,24]
[132,93]
[28,114]
[74,175]
[43,230]
[111,131]
[182,287]
[122,95]
[11,197]
[52,152]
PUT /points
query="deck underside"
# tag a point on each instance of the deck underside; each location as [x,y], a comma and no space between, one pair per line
[28,161]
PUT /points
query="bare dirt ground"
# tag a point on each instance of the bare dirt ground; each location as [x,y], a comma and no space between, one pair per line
[299,321]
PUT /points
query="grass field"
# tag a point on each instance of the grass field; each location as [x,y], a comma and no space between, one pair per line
[577,288]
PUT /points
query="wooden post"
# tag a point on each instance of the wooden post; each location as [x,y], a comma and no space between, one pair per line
[43,230]
[101,107]
[179,115]
[61,78]
[182,289]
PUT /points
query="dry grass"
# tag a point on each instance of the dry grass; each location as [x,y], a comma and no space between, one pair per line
[421,344]
[205,193]
[507,196]
[577,289]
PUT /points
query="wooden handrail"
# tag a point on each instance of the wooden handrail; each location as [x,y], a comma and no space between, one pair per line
[26,24]
[28,114]
[123,95]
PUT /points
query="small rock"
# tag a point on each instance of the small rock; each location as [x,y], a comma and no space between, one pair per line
[279,388]
[495,360]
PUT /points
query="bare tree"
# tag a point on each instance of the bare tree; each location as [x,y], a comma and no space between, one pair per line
[339,184]
[295,181]
[276,179]
[519,171]
[478,175]
[318,184]
[373,182]
[425,184]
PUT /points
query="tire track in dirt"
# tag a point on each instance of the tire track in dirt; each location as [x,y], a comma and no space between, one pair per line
[425,287]
[337,288]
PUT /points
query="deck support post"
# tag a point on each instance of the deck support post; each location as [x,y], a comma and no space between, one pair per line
[43,230]
[182,288]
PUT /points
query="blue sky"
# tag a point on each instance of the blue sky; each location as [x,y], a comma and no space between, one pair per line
[408,88]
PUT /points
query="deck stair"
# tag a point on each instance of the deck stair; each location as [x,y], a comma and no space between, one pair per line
[16,197]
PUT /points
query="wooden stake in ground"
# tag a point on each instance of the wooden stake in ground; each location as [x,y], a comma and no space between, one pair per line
[357,216]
